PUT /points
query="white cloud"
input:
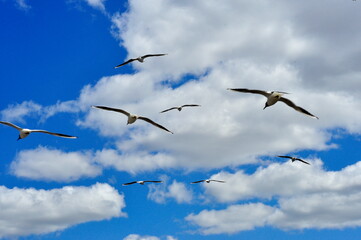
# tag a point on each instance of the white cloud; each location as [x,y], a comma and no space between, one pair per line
[160,193]
[60,107]
[233,124]
[330,210]
[31,211]
[133,162]
[309,211]
[43,163]
[139,237]
[233,219]
[267,51]
[307,197]
[96,4]
[18,112]
[286,179]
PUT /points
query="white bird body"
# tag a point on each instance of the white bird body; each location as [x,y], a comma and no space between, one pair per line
[140,59]
[24,132]
[272,98]
[132,118]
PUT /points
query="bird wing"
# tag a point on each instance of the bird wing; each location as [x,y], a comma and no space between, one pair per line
[112,109]
[198,181]
[129,183]
[191,105]
[153,181]
[297,108]
[128,61]
[245,90]
[298,159]
[154,123]
[55,134]
[168,109]
[213,180]
[11,125]
[153,55]
[285,157]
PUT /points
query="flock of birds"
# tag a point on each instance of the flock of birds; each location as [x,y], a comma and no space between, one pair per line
[272,98]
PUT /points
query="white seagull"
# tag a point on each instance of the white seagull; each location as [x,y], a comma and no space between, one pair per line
[140,59]
[295,159]
[25,132]
[179,108]
[141,182]
[208,181]
[132,117]
[273,97]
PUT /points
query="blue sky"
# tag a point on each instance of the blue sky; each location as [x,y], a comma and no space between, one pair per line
[57,60]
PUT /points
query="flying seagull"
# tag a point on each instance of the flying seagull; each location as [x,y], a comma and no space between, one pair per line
[141,182]
[294,159]
[140,59]
[132,117]
[208,181]
[25,132]
[180,107]
[273,97]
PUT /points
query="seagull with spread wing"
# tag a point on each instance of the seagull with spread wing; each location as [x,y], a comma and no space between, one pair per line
[273,97]
[24,132]
[132,117]
[140,59]
[295,159]
[208,181]
[179,108]
[141,182]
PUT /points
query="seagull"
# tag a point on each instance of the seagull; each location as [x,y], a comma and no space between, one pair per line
[25,132]
[208,181]
[273,97]
[294,159]
[141,182]
[140,59]
[180,107]
[132,117]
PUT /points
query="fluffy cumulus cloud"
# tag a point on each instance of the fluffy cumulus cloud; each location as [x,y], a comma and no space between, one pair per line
[43,163]
[307,196]
[139,237]
[32,211]
[286,179]
[233,219]
[176,190]
[277,50]
[269,51]
[99,4]
[18,112]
